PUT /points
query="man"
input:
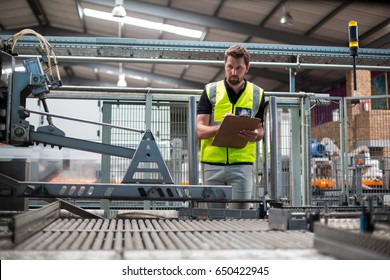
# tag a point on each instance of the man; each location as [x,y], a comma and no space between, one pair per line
[233,95]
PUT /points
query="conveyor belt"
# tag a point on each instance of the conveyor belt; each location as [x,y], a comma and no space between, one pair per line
[343,239]
[72,238]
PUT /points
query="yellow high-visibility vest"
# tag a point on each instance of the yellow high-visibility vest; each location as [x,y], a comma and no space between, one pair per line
[248,104]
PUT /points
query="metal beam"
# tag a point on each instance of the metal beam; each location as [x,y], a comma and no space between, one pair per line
[328,17]
[155,192]
[81,15]
[273,11]
[180,50]
[382,41]
[84,145]
[38,11]
[375,29]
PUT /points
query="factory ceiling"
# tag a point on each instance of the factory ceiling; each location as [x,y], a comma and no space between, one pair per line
[322,25]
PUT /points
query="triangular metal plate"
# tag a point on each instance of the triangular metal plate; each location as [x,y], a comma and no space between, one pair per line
[148,161]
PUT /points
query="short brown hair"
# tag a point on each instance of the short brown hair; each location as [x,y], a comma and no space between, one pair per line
[238,51]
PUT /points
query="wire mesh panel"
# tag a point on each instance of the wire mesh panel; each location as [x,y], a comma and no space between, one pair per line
[277,141]
[169,129]
[179,143]
[284,147]
[326,156]
[368,145]
[355,141]
[130,116]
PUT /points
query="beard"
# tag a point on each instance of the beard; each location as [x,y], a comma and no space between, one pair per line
[234,81]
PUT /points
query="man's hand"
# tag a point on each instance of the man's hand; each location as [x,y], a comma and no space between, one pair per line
[228,114]
[249,135]
[252,135]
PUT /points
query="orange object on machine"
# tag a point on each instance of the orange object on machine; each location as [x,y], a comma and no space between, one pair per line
[323,183]
[372,182]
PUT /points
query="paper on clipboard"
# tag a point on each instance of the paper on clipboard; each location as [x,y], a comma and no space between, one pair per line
[227,135]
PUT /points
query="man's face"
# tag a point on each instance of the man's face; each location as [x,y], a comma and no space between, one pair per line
[235,70]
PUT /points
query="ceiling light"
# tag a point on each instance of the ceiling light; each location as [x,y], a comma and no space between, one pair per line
[121,81]
[287,18]
[119,10]
[193,33]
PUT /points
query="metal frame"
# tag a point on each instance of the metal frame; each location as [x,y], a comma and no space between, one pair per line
[133,48]
[153,192]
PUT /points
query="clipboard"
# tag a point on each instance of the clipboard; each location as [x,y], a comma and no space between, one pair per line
[227,134]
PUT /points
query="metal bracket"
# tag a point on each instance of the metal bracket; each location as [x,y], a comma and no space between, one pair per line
[283,219]
[147,155]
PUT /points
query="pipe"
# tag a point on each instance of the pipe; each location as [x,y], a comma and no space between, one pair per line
[85,121]
[274,148]
[192,147]
[297,65]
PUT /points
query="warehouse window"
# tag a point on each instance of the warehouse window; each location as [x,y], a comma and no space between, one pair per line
[379,86]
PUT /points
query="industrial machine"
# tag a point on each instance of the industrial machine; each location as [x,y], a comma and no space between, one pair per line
[16,130]
[192,232]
